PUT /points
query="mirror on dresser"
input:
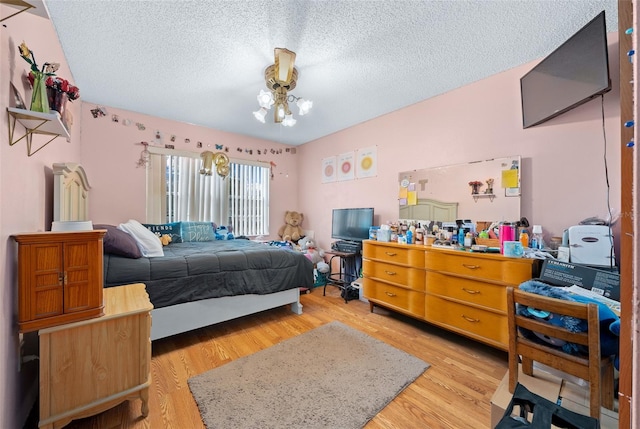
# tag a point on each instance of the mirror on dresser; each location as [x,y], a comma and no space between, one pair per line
[444,194]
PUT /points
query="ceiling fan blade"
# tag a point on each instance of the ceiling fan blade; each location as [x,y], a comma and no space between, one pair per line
[284,60]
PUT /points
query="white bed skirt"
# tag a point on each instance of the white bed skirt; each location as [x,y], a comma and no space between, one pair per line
[167,321]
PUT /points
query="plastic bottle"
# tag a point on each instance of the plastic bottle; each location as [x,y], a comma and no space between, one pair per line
[409,236]
[524,238]
[461,236]
[536,239]
[419,234]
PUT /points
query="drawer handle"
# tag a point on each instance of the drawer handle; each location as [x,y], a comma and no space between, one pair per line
[391,273]
[470,319]
[390,253]
[471,291]
[471,267]
[390,294]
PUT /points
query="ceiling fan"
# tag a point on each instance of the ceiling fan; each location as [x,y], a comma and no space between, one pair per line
[280,78]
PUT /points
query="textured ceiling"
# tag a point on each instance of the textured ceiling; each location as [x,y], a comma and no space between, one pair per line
[203,62]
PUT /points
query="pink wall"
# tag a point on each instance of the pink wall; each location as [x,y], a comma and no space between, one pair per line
[26,192]
[563,177]
[111,149]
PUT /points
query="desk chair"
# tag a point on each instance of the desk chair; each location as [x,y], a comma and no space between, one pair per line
[598,371]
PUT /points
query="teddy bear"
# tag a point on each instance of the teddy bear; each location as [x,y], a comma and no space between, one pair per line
[291,230]
[314,254]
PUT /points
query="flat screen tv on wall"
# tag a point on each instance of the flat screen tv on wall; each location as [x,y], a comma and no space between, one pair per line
[573,74]
[351,224]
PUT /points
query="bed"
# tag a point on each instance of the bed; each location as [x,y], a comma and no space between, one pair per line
[195,283]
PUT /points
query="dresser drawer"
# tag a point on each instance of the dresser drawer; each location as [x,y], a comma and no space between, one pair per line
[475,292]
[395,297]
[501,269]
[464,319]
[407,255]
[412,278]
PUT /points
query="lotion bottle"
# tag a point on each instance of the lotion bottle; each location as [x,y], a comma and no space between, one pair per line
[524,238]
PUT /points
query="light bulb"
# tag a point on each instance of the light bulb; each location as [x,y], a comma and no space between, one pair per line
[304,106]
[265,99]
[289,121]
[260,114]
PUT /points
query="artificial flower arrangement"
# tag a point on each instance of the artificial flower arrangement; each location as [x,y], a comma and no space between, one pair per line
[39,99]
[475,186]
[63,85]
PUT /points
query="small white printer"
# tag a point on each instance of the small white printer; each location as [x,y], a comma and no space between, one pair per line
[591,245]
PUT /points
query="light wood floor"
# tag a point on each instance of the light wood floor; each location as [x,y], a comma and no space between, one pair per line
[455,392]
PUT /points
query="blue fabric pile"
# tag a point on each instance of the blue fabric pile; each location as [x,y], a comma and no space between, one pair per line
[609,321]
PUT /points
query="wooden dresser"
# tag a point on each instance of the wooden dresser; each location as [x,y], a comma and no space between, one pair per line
[460,291]
[90,366]
[60,277]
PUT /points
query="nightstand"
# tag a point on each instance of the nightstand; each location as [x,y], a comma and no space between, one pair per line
[90,366]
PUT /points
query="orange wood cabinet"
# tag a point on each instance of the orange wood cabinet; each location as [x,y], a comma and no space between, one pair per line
[460,291]
[60,277]
[90,366]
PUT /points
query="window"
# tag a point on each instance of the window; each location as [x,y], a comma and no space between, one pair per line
[176,191]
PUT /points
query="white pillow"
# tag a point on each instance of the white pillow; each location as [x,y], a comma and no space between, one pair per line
[149,243]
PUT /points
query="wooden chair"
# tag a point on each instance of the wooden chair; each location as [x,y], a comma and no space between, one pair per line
[598,371]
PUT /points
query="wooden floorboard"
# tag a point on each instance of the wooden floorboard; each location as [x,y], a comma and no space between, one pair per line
[455,392]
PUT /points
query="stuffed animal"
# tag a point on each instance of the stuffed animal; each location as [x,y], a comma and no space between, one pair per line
[224,233]
[311,251]
[165,239]
[292,229]
[314,254]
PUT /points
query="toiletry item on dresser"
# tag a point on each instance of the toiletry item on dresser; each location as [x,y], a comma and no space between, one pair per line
[419,234]
[524,238]
[536,241]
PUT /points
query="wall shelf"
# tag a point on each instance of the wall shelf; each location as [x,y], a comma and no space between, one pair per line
[49,124]
[16,3]
[476,196]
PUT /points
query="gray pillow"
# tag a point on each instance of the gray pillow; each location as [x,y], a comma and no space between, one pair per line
[117,242]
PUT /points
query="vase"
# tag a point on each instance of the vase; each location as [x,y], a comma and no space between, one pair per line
[57,100]
[39,101]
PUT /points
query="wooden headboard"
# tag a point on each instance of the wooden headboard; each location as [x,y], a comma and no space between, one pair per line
[70,193]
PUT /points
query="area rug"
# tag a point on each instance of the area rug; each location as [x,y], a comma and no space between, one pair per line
[330,377]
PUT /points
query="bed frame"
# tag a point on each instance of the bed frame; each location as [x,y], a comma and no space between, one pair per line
[71,190]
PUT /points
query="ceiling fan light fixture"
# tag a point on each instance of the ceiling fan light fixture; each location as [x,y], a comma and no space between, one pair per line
[280,78]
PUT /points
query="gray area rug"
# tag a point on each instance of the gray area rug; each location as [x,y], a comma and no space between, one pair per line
[330,377]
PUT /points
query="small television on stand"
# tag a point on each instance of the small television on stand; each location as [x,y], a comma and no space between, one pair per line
[576,72]
[350,227]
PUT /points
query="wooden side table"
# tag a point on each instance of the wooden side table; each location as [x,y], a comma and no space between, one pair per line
[90,366]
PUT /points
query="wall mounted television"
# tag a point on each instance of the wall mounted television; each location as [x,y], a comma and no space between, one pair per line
[351,224]
[573,74]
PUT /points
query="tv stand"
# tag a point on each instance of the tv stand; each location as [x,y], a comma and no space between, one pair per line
[343,278]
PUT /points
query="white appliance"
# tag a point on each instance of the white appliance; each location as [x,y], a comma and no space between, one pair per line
[591,245]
